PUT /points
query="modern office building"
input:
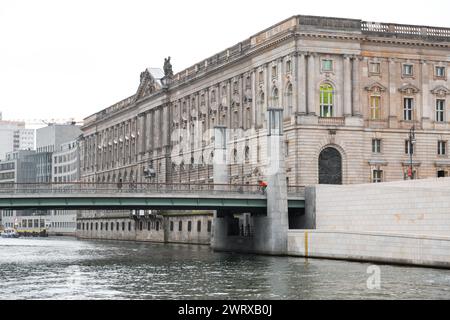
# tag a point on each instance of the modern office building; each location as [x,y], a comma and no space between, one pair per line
[17,167]
[14,136]
[65,170]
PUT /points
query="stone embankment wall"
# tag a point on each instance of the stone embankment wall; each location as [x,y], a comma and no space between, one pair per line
[170,228]
[400,222]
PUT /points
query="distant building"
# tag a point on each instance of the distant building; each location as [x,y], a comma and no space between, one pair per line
[14,137]
[18,167]
[49,140]
[65,169]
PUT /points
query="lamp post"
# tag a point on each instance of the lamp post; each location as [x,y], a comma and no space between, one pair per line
[412,142]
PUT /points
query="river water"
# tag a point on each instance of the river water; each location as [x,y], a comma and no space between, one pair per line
[66,268]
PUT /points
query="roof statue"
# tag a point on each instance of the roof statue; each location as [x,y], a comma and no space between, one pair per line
[168,72]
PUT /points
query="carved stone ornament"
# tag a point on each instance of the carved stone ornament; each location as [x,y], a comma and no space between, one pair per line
[376,87]
[409,89]
[440,91]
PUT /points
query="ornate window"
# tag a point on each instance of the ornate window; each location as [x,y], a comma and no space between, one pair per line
[375,107]
[409,147]
[440,110]
[247,154]
[274,71]
[376,146]
[275,97]
[289,99]
[261,101]
[442,148]
[408,105]
[377,176]
[441,93]
[326,101]
[408,92]
[288,66]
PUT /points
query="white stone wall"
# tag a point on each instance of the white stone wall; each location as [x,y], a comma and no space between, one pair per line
[420,207]
[368,246]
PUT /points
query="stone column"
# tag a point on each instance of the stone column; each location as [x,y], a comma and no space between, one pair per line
[311,98]
[392,94]
[271,231]
[347,87]
[356,104]
[427,109]
[220,173]
[254,123]
[281,86]
[301,81]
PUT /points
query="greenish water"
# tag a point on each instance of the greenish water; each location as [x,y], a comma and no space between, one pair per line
[65,268]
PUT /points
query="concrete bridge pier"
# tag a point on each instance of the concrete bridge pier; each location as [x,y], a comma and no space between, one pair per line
[270,229]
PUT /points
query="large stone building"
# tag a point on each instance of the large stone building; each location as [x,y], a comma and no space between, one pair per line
[355,87]
[351,92]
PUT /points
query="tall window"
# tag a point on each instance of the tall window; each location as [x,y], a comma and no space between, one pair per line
[261,101]
[326,101]
[288,66]
[377,176]
[440,110]
[409,147]
[275,98]
[375,108]
[408,104]
[289,100]
[442,148]
[376,146]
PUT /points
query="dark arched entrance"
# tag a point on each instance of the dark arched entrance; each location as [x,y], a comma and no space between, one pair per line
[330,167]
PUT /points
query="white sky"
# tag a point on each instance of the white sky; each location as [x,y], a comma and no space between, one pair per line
[70,59]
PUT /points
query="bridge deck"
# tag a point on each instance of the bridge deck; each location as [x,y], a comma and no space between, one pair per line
[181,197]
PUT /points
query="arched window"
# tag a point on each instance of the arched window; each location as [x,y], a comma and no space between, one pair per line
[275,98]
[289,99]
[326,101]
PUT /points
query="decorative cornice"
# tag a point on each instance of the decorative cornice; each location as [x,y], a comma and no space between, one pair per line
[441,91]
[409,89]
[376,87]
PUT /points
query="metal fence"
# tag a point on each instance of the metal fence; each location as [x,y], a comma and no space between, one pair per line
[135,188]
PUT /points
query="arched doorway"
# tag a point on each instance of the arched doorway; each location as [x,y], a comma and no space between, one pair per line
[330,167]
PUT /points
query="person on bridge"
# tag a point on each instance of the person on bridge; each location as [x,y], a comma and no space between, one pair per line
[119,185]
[263,186]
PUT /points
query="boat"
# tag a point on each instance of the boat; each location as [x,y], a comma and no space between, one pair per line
[9,233]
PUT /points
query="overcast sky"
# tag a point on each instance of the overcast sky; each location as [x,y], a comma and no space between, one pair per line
[70,59]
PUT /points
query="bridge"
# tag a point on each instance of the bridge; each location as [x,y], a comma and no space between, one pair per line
[151,196]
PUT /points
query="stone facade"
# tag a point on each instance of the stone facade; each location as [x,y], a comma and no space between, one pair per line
[354,86]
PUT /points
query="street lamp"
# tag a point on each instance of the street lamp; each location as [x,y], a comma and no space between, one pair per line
[412,142]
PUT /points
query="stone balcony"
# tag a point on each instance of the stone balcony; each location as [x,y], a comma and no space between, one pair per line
[332,121]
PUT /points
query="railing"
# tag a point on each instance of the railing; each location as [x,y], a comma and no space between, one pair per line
[409,31]
[124,188]
[332,121]
[134,188]
[296,191]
